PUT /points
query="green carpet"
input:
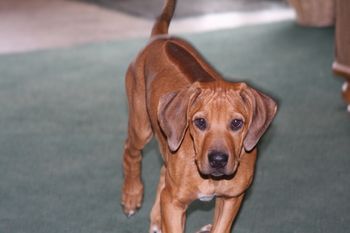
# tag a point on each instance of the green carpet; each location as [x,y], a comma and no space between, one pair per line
[63,119]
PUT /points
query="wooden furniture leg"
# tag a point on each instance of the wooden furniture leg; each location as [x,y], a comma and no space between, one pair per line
[341,65]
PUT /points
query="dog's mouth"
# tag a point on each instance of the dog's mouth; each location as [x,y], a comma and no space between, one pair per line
[217,175]
[206,172]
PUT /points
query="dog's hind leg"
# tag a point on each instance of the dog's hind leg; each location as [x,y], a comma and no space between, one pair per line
[155,217]
[139,134]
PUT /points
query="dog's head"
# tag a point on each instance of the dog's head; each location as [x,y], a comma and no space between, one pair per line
[223,119]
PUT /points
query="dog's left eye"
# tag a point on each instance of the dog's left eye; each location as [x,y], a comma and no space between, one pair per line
[200,123]
[236,124]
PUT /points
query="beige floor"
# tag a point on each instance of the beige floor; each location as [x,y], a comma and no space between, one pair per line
[27,25]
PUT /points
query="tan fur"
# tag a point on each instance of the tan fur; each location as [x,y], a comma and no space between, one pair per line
[168,86]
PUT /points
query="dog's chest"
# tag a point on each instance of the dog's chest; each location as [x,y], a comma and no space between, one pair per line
[206,197]
[206,191]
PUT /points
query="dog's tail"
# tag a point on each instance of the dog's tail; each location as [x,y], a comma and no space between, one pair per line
[161,25]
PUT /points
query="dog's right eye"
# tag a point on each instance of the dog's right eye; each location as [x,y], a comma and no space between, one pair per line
[200,123]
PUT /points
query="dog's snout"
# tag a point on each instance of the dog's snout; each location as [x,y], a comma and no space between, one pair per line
[217,159]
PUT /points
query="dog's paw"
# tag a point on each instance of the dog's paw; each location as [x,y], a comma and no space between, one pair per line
[155,222]
[205,229]
[155,229]
[132,197]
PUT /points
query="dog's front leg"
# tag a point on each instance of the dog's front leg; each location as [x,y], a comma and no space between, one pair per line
[226,210]
[155,213]
[173,213]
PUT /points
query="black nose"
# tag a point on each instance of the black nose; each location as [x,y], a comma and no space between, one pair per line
[217,159]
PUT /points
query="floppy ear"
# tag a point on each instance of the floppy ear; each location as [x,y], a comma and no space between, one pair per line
[172,115]
[263,111]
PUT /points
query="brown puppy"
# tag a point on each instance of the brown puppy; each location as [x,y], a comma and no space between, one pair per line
[207,130]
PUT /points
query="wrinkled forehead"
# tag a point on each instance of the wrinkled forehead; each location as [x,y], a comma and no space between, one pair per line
[223,99]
